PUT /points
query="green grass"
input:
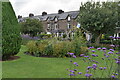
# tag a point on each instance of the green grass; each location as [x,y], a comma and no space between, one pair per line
[39,67]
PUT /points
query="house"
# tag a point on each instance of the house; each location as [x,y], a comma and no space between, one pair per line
[58,23]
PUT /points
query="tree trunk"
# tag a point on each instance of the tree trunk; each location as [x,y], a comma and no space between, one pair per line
[97,40]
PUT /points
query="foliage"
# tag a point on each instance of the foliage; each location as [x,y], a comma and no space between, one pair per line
[33,66]
[99,18]
[44,36]
[31,26]
[11,40]
[26,38]
[56,48]
[78,42]
[32,47]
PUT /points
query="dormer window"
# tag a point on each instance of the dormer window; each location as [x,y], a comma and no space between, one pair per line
[69,18]
[56,19]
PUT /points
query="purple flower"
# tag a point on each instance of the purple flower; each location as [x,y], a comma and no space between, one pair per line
[110,36]
[75,63]
[89,67]
[71,71]
[98,48]
[74,56]
[86,56]
[79,72]
[103,48]
[96,62]
[112,45]
[104,68]
[71,74]
[93,51]
[110,53]
[87,71]
[75,69]
[91,47]
[115,73]
[88,75]
[81,55]
[70,53]
[100,68]
[89,58]
[118,53]
[112,50]
[94,55]
[107,56]
[94,66]
[112,76]
[118,61]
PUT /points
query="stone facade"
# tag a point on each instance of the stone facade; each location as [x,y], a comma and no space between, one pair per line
[56,23]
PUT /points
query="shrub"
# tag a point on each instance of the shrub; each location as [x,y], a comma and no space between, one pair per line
[78,42]
[32,47]
[42,45]
[11,40]
[84,50]
[48,50]
[57,49]
[44,36]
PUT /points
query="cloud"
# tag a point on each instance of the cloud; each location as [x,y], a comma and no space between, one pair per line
[24,7]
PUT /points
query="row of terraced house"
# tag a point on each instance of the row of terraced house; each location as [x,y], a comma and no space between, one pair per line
[59,23]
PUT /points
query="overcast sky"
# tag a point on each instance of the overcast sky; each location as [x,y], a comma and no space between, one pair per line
[24,7]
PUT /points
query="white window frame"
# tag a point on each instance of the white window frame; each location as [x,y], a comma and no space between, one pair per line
[68,26]
[69,18]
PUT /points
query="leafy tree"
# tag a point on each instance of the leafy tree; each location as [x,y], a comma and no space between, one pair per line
[31,26]
[99,18]
[11,40]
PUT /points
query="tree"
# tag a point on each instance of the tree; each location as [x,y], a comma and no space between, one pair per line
[98,18]
[11,40]
[31,26]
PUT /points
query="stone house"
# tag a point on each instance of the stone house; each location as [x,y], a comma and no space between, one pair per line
[58,23]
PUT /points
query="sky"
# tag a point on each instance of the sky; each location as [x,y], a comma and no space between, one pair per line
[24,7]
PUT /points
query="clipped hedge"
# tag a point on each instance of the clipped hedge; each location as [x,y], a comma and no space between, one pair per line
[11,40]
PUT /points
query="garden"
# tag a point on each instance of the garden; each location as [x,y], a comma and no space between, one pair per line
[30,56]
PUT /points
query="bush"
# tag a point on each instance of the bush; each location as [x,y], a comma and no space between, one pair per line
[44,36]
[11,40]
[56,48]
[78,42]
[32,47]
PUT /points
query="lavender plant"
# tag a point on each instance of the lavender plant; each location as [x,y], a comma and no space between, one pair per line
[102,65]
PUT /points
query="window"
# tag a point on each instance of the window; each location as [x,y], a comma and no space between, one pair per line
[48,27]
[68,18]
[56,19]
[69,26]
[56,26]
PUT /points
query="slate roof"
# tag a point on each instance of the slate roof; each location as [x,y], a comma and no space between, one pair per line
[50,17]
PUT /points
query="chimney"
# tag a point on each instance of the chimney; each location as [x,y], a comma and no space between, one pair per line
[19,16]
[31,15]
[60,11]
[44,13]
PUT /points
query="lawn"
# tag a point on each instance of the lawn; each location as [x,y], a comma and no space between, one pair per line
[41,67]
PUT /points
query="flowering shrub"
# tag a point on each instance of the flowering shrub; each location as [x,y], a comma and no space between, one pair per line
[27,38]
[32,48]
[54,48]
[99,63]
